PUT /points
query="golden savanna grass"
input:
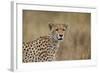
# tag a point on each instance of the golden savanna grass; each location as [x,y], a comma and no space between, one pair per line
[77,41]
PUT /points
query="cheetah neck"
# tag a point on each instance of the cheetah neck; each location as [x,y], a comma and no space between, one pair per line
[55,42]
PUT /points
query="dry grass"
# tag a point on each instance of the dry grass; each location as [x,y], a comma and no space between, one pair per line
[77,42]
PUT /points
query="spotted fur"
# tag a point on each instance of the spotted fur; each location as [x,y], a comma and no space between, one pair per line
[44,48]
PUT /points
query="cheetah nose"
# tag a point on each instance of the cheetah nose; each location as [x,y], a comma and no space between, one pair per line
[60,35]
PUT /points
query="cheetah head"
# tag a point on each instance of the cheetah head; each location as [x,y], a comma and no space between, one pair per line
[58,31]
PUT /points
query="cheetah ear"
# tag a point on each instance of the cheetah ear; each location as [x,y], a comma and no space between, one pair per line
[50,25]
[66,26]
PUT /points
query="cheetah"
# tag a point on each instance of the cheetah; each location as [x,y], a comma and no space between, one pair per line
[44,48]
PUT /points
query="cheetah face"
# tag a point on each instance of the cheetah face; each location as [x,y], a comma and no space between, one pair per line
[57,31]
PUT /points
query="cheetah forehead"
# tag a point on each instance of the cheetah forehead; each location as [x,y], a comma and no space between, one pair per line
[54,26]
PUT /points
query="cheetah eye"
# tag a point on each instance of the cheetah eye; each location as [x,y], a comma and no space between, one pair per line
[63,29]
[56,29]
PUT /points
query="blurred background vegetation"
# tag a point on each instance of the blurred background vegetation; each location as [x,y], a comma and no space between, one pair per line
[77,41]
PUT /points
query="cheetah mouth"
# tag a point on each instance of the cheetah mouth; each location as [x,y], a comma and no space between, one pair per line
[60,38]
